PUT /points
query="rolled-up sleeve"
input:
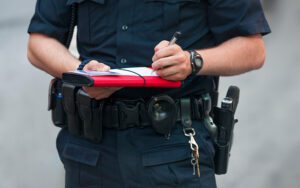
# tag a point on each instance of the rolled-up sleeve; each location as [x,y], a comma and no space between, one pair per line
[52,18]
[231,18]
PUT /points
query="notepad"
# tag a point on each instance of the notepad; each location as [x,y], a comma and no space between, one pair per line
[125,77]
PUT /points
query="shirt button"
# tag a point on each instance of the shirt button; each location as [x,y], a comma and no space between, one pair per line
[124,27]
[123,60]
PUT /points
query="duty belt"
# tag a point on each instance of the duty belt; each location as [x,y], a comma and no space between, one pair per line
[125,114]
[86,117]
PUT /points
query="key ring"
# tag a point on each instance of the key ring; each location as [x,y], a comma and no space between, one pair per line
[193,143]
[189,132]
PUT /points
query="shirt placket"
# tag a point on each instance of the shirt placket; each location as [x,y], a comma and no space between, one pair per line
[124,33]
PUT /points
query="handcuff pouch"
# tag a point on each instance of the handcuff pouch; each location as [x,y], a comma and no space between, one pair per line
[162,111]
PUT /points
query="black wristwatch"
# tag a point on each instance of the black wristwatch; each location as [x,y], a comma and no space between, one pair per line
[196,62]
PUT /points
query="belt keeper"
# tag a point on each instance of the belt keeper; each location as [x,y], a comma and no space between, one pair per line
[144,118]
[185,109]
[128,115]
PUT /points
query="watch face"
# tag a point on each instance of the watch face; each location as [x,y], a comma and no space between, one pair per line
[198,62]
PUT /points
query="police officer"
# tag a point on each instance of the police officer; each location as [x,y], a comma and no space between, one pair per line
[219,37]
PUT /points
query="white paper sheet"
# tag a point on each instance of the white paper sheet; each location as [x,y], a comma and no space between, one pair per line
[132,71]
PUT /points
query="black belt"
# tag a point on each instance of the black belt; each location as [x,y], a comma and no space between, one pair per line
[86,117]
[123,114]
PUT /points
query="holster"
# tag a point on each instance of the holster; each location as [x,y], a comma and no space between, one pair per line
[69,102]
[90,111]
[55,103]
[224,119]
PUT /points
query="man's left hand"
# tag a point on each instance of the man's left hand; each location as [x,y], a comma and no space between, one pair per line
[171,62]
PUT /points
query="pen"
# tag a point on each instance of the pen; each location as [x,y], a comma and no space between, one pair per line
[175,38]
[172,41]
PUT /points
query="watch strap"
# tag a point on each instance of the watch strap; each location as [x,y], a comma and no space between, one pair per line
[83,63]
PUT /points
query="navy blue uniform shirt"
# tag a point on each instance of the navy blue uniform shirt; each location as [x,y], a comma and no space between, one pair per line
[123,33]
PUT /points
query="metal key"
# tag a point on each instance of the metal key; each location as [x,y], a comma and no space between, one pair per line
[195,150]
[196,156]
[195,153]
[193,162]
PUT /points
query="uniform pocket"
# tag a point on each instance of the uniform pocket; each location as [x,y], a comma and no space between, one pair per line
[206,145]
[168,165]
[91,19]
[81,165]
[165,154]
[165,16]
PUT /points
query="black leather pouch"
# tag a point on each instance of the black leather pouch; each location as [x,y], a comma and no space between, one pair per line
[69,103]
[55,104]
[90,111]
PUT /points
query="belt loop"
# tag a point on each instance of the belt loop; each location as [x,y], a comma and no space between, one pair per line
[111,116]
[143,115]
[206,99]
[196,108]
[185,109]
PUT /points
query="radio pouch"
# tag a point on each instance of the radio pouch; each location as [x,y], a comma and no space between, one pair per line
[74,122]
[90,111]
[224,119]
[55,103]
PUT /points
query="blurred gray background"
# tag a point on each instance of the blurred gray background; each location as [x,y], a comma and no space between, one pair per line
[267,138]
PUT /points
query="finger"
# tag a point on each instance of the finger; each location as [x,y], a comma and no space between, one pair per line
[90,91]
[175,77]
[96,66]
[167,51]
[175,72]
[100,92]
[161,45]
[116,88]
[164,62]
[107,92]
[167,72]
[178,58]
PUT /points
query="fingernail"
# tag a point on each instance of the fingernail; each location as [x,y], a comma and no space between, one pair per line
[153,67]
[106,68]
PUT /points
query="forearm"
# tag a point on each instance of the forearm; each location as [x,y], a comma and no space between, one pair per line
[50,56]
[233,57]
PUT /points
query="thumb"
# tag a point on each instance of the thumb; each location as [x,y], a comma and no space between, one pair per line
[96,66]
[161,45]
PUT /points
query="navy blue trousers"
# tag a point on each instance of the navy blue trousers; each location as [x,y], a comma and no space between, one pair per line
[136,158]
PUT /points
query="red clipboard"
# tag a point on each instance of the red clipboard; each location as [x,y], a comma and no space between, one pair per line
[126,77]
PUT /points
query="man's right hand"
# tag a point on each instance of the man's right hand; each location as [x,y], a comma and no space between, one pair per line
[99,92]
